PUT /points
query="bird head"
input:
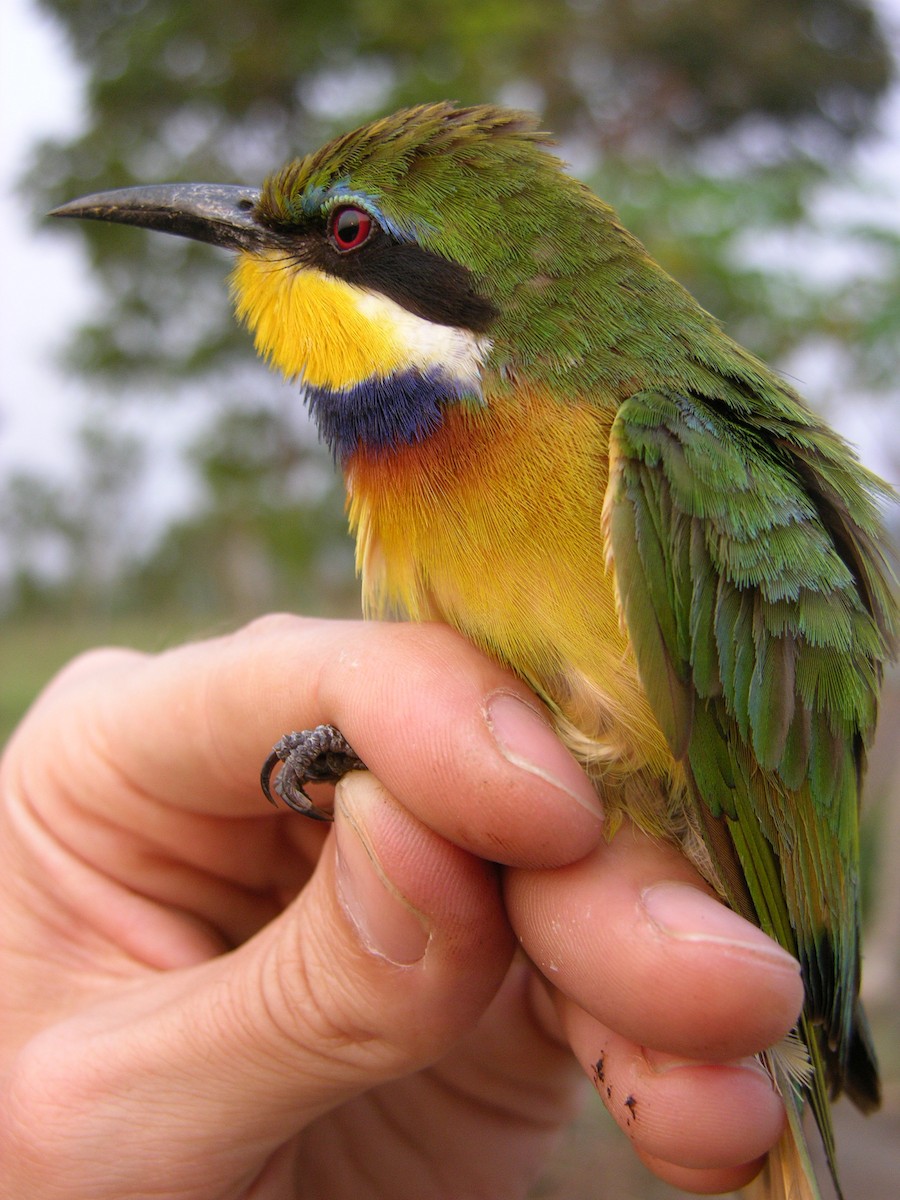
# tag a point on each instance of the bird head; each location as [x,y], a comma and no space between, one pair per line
[389,270]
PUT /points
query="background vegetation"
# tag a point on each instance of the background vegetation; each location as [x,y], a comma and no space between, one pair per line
[727,132]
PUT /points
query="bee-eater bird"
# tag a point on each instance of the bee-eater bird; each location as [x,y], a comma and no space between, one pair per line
[549,445]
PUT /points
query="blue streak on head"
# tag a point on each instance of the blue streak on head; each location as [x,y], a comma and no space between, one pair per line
[384,412]
[322,199]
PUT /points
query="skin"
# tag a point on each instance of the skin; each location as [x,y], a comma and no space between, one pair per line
[204,998]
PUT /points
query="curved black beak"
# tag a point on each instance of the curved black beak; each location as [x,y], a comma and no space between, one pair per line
[220,214]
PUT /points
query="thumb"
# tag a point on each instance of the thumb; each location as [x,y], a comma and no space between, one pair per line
[390,953]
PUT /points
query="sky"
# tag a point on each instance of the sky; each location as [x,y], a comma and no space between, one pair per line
[45,281]
[40,275]
[46,287]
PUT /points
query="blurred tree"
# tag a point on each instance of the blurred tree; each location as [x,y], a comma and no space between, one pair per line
[710,123]
[73,538]
[270,531]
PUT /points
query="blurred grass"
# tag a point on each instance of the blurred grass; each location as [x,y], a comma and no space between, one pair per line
[32,650]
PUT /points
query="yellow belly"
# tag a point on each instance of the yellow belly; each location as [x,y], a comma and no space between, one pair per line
[494,525]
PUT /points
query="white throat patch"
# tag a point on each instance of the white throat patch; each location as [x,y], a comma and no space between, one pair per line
[423,344]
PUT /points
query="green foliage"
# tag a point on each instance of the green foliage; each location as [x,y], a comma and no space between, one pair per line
[719,63]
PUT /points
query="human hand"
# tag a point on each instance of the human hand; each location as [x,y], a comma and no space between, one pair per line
[206,998]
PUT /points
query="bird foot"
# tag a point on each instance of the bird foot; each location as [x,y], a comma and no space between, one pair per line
[320,755]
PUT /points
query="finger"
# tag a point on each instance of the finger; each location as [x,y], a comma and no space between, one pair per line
[711,1182]
[456,738]
[704,1118]
[390,954]
[633,935]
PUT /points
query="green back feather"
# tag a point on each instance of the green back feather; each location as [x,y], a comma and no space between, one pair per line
[745,550]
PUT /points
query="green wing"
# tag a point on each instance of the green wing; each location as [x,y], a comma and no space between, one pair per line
[760,611]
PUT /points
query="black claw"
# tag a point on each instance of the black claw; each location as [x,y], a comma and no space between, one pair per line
[320,755]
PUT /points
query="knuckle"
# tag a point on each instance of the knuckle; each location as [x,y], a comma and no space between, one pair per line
[272,625]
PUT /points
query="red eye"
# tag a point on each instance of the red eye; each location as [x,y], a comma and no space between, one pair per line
[350,227]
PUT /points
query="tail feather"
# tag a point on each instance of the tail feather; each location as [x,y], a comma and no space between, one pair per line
[788,1174]
[860,1077]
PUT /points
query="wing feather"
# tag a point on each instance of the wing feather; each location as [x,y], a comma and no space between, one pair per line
[760,609]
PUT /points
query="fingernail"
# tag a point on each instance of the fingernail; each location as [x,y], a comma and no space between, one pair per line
[690,915]
[660,1063]
[387,925]
[527,740]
